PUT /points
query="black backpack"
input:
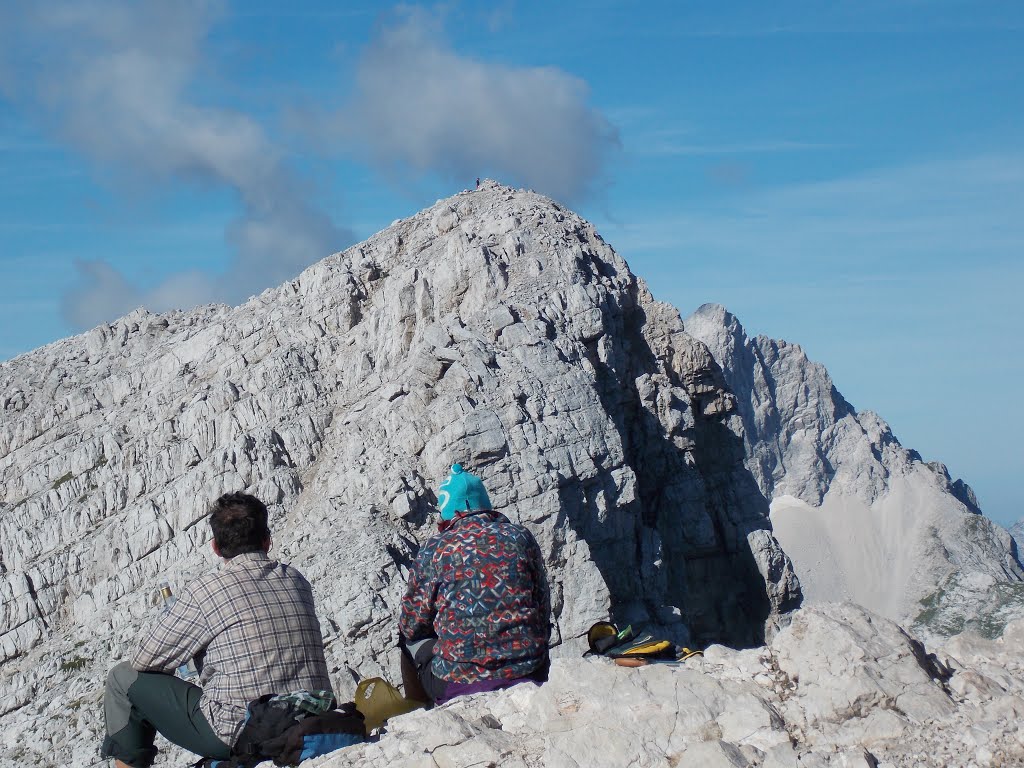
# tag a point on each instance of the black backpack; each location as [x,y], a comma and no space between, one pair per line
[281,731]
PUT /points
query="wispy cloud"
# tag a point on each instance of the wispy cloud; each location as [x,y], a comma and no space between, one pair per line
[668,147]
[101,293]
[116,80]
[421,105]
[916,214]
[685,140]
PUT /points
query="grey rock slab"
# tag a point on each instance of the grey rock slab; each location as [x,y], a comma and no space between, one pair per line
[593,713]
[847,663]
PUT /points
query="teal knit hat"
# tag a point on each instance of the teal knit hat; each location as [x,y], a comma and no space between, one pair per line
[461,492]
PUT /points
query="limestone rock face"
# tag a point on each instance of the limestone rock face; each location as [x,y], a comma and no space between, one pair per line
[838,687]
[496,329]
[1017,532]
[863,518]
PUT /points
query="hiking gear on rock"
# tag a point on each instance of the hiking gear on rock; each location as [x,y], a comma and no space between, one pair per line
[481,590]
[288,729]
[255,620]
[627,661]
[605,639]
[378,700]
[139,704]
[644,647]
[461,492]
[310,702]
[320,735]
[605,635]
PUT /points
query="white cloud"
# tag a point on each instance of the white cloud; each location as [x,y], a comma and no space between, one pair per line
[102,292]
[115,80]
[419,104]
[122,83]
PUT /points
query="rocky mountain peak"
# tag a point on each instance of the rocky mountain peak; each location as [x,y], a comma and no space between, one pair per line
[497,329]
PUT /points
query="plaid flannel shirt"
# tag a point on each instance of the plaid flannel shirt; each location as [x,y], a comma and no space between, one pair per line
[254,626]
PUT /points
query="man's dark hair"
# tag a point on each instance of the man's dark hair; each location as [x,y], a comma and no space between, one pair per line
[239,523]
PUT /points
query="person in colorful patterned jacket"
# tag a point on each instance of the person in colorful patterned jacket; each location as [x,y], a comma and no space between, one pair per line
[476,616]
[251,628]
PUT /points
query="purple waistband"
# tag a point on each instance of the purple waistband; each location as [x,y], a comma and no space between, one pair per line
[481,686]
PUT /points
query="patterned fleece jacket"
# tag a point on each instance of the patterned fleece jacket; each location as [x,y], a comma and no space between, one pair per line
[480,588]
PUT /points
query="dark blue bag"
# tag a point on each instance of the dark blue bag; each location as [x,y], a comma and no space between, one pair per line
[285,733]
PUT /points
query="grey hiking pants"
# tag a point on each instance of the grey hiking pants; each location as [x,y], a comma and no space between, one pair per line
[138,705]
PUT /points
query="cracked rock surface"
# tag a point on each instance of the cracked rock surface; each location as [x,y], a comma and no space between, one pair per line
[838,687]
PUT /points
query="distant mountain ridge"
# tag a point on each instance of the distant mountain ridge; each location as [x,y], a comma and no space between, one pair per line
[864,518]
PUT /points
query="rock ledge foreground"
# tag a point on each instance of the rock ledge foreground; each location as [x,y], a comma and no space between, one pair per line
[838,687]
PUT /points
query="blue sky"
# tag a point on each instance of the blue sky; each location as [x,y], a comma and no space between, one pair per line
[848,176]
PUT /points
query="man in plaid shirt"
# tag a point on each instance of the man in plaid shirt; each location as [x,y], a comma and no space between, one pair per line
[251,628]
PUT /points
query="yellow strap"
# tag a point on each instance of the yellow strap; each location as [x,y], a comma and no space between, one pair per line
[658,645]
